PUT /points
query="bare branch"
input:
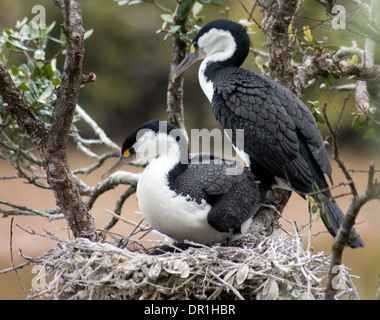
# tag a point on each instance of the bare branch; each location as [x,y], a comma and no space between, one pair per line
[51,214]
[122,177]
[334,135]
[119,204]
[344,231]
[175,88]
[372,192]
[12,261]
[97,130]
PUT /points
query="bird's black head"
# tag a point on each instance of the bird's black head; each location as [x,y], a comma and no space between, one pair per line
[222,41]
[156,126]
[148,141]
[214,37]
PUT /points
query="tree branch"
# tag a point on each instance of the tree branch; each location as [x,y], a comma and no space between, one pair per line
[335,151]
[52,142]
[58,173]
[20,111]
[328,63]
[344,231]
[275,26]
[372,192]
[175,88]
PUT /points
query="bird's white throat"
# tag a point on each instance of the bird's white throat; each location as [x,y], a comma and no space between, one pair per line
[219,45]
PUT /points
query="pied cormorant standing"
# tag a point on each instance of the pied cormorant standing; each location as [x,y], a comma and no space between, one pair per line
[195,197]
[282,143]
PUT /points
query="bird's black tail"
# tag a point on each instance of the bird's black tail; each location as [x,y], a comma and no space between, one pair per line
[332,217]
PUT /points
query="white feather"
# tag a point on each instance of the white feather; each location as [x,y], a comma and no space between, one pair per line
[174,215]
[218,45]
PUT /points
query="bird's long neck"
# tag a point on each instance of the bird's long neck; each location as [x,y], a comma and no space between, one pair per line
[230,56]
[172,159]
[205,80]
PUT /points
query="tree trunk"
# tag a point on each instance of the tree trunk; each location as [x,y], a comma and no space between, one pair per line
[52,141]
[275,26]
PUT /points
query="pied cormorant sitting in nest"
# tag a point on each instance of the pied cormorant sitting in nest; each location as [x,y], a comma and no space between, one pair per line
[282,143]
[195,197]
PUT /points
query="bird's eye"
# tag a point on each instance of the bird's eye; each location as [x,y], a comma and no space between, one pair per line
[129,152]
[193,47]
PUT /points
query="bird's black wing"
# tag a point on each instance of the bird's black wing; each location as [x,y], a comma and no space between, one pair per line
[229,188]
[274,123]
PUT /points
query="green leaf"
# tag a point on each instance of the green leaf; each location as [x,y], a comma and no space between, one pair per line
[19,24]
[369,133]
[174,29]
[268,4]
[39,65]
[167,17]
[204,1]
[15,70]
[310,199]
[39,54]
[56,81]
[28,97]
[49,28]
[197,8]
[17,44]
[317,116]
[315,187]
[332,48]
[184,8]
[49,70]
[23,87]
[46,94]
[216,2]
[62,38]
[316,214]
[322,197]
[330,79]
[88,34]
[356,123]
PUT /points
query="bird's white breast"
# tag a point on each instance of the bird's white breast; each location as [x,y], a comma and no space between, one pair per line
[174,215]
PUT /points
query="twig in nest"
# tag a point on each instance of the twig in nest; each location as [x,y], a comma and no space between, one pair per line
[12,261]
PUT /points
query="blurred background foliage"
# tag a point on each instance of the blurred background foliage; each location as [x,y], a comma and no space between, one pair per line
[132,61]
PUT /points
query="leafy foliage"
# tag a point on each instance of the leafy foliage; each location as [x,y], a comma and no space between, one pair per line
[36,76]
[24,51]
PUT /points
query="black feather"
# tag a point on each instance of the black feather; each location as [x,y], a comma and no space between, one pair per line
[234,198]
[281,136]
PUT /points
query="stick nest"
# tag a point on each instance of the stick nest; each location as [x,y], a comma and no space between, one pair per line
[273,267]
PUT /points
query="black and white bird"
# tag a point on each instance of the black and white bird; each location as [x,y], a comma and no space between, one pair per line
[195,197]
[282,143]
